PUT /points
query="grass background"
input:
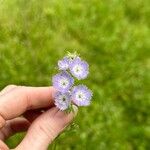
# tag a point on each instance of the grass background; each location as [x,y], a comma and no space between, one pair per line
[113,36]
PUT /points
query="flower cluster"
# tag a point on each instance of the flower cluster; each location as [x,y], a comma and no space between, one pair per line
[70,67]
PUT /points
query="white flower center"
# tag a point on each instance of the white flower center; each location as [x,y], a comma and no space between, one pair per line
[62,98]
[64,83]
[78,69]
[80,96]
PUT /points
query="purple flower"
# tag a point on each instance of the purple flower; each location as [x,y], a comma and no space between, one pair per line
[62,82]
[64,63]
[62,100]
[81,95]
[79,68]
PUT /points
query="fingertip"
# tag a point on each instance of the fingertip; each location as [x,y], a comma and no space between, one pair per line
[52,91]
[47,127]
[70,116]
[65,117]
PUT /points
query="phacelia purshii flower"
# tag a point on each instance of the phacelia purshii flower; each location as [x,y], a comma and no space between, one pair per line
[81,95]
[79,68]
[64,63]
[62,81]
[71,67]
[62,100]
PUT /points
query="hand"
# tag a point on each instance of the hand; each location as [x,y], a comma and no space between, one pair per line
[31,108]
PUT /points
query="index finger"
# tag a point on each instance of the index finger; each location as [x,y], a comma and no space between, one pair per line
[21,99]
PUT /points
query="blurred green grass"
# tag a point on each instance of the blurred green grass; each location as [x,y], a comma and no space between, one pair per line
[113,36]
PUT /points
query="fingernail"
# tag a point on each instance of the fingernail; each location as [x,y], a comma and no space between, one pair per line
[75,109]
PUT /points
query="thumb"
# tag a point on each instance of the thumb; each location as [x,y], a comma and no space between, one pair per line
[46,128]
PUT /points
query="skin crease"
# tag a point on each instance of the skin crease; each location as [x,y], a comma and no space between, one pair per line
[39,117]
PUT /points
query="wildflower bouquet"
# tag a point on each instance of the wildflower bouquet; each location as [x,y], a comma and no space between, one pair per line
[71,67]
